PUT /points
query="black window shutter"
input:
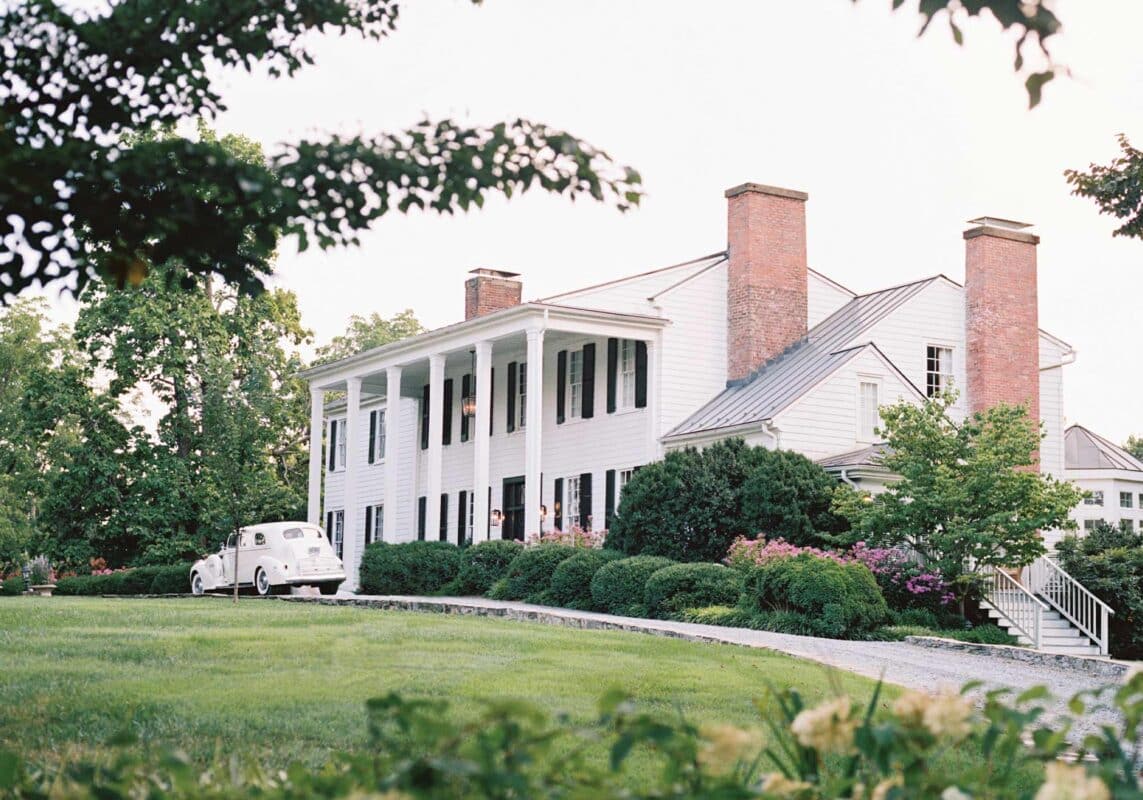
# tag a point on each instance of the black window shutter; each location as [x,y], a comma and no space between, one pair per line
[372,436]
[446,427]
[609,498]
[425,417]
[332,445]
[585,501]
[368,524]
[444,517]
[511,396]
[421,509]
[329,526]
[558,504]
[612,373]
[561,384]
[640,374]
[461,516]
[587,405]
[491,399]
[465,391]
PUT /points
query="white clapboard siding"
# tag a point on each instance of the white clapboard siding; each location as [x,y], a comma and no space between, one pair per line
[824,297]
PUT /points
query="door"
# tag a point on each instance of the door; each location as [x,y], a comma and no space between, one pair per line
[513,525]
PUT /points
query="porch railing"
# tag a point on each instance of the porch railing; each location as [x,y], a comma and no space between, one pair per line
[1071,599]
[1019,607]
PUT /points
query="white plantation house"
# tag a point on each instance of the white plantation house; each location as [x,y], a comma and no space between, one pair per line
[531,416]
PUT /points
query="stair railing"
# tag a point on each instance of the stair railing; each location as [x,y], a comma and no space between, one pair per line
[1046,579]
[1022,610]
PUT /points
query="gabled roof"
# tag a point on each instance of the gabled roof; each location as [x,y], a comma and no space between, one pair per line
[1084,449]
[870,456]
[783,379]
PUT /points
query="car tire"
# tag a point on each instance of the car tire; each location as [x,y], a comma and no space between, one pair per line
[329,588]
[197,587]
[262,583]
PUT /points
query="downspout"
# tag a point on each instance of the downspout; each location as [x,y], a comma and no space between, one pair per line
[775,434]
[846,479]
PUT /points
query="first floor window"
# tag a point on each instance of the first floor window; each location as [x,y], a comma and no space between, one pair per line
[1127,525]
[627,373]
[625,476]
[338,540]
[375,523]
[572,504]
[938,369]
[1093,499]
[868,411]
[1089,524]
[468,528]
[1125,499]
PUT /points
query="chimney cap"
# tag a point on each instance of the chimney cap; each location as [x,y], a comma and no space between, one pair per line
[761,188]
[1000,222]
[493,273]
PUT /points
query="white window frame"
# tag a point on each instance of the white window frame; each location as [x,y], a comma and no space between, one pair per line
[944,371]
[470,525]
[1094,499]
[379,436]
[863,434]
[625,476]
[1127,525]
[626,374]
[339,446]
[1126,496]
[379,522]
[338,541]
[571,502]
[575,384]
[521,394]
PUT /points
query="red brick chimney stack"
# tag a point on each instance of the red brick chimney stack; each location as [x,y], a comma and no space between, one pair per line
[766,291]
[490,290]
[1002,328]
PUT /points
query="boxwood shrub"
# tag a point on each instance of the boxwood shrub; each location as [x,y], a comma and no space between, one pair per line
[813,595]
[530,573]
[409,568]
[12,586]
[174,579]
[618,587]
[484,564]
[571,582]
[674,589]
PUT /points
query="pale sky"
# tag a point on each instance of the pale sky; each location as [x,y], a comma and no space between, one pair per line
[898,141]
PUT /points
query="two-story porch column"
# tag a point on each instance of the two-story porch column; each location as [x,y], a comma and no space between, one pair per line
[392,453]
[436,447]
[317,429]
[352,473]
[482,441]
[533,428]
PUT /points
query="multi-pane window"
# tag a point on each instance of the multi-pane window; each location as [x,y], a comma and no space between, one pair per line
[379,435]
[575,381]
[338,532]
[1093,499]
[572,504]
[1089,524]
[379,522]
[1125,499]
[1126,525]
[337,444]
[938,369]
[627,373]
[522,387]
[868,414]
[471,516]
[625,476]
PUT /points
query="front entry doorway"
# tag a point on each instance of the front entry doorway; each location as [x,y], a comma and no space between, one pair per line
[512,527]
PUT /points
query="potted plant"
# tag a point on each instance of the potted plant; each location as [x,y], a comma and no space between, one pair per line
[42,577]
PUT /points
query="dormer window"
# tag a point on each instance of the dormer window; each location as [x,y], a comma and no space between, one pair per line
[938,370]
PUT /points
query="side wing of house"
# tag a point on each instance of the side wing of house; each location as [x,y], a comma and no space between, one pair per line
[1054,354]
[824,297]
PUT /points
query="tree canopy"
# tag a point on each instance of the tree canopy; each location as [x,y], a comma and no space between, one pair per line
[83,197]
[365,333]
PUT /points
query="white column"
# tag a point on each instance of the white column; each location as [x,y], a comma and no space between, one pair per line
[436,450]
[350,555]
[481,442]
[533,428]
[654,406]
[392,453]
[317,429]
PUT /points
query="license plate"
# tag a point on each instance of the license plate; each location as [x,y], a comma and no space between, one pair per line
[315,551]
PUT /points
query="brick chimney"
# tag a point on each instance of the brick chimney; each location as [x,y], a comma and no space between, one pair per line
[766,291]
[490,290]
[1002,329]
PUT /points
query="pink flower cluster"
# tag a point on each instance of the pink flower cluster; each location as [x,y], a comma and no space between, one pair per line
[745,552]
[896,570]
[576,537]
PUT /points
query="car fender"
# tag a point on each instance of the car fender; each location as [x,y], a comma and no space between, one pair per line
[211,570]
[275,568]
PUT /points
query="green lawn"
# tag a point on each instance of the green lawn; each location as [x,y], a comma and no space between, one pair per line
[286,681]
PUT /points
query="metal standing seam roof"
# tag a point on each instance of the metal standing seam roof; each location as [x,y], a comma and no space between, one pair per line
[784,378]
[870,456]
[1084,449]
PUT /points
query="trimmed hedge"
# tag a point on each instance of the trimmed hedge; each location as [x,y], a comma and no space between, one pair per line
[530,573]
[173,579]
[618,587]
[571,582]
[674,589]
[818,596]
[409,568]
[484,564]
[12,586]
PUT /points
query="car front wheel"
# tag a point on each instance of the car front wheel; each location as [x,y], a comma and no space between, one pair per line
[262,583]
[197,585]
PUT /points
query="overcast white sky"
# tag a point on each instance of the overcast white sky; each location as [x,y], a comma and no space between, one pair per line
[898,141]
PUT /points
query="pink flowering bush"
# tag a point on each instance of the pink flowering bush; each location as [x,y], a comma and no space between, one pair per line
[756,552]
[576,537]
[904,583]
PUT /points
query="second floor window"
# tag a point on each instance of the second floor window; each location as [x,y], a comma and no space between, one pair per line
[575,382]
[938,370]
[377,432]
[1093,499]
[522,388]
[627,373]
[336,444]
[868,414]
[1125,499]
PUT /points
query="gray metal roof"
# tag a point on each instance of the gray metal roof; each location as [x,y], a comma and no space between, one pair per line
[783,379]
[1084,449]
[870,456]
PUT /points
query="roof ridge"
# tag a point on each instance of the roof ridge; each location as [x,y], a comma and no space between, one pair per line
[691,262]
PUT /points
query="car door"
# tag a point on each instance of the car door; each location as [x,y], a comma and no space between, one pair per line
[255,545]
[226,556]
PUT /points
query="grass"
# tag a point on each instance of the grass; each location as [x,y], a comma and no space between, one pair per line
[288,681]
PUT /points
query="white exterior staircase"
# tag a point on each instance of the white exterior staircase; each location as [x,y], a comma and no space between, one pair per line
[1048,609]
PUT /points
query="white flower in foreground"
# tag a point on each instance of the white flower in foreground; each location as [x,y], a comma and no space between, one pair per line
[948,715]
[954,793]
[1071,782]
[778,785]
[828,728]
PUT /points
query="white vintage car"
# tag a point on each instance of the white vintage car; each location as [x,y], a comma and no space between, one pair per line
[272,558]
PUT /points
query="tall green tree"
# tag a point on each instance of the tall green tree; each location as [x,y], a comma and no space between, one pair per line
[1134,446]
[970,494]
[786,495]
[81,197]
[365,333]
